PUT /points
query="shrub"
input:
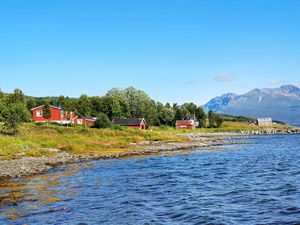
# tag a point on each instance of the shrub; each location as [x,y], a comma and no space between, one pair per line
[118,127]
[211,118]
[102,121]
[219,120]
[12,115]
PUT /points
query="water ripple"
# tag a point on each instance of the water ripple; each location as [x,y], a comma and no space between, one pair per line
[256,183]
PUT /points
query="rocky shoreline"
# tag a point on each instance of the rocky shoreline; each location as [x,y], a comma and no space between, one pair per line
[294,130]
[26,166]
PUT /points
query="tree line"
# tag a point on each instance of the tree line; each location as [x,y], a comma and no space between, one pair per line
[117,103]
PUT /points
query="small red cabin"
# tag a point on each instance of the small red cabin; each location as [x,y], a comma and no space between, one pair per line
[58,115]
[88,120]
[136,123]
[185,124]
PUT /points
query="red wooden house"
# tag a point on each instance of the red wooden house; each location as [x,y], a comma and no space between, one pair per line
[88,120]
[185,124]
[136,123]
[58,115]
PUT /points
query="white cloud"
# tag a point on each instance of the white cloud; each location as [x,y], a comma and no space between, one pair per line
[225,77]
[191,82]
[276,82]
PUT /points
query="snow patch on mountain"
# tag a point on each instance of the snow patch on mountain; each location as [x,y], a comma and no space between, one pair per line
[281,103]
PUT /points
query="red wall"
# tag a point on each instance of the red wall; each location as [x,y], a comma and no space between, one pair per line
[84,121]
[187,127]
[55,115]
[142,126]
[90,122]
[185,124]
[134,127]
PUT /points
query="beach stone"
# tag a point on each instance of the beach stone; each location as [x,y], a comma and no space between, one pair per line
[25,166]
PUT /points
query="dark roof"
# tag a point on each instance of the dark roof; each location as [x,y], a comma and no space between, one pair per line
[57,106]
[129,122]
[89,117]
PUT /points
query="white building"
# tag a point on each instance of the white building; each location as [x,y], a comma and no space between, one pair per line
[264,121]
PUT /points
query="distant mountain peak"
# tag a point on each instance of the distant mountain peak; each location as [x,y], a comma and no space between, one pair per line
[254,91]
[220,101]
[290,88]
[281,103]
[229,95]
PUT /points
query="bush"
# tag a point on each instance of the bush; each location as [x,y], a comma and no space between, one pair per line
[102,121]
[12,115]
[219,120]
[72,125]
[164,127]
[211,119]
[118,127]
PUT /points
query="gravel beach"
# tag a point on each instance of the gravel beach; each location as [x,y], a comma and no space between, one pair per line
[26,166]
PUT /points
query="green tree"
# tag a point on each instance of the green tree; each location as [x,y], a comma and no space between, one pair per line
[211,118]
[151,114]
[13,111]
[2,95]
[102,121]
[12,114]
[219,120]
[116,110]
[83,105]
[113,106]
[109,107]
[138,102]
[120,103]
[190,107]
[125,111]
[182,113]
[116,92]
[200,116]
[30,103]
[96,105]
[17,96]
[166,116]
[61,101]
[47,110]
[69,104]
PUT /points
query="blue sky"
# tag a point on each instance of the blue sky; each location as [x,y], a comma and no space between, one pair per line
[175,50]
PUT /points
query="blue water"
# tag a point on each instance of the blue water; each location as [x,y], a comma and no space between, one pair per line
[254,183]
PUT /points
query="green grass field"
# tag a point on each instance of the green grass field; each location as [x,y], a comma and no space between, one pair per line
[33,140]
[227,126]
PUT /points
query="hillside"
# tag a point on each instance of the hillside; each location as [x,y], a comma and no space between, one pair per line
[281,104]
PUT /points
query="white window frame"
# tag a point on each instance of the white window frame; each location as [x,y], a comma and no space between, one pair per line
[39,113]
[79,121]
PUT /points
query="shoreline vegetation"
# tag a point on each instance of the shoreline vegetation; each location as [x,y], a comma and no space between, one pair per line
[38,148]
[28,148]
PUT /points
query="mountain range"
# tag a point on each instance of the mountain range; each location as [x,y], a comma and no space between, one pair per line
[282,104]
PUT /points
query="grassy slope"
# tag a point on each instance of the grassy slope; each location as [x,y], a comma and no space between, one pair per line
[75,140]
[227,126]
[79,140]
